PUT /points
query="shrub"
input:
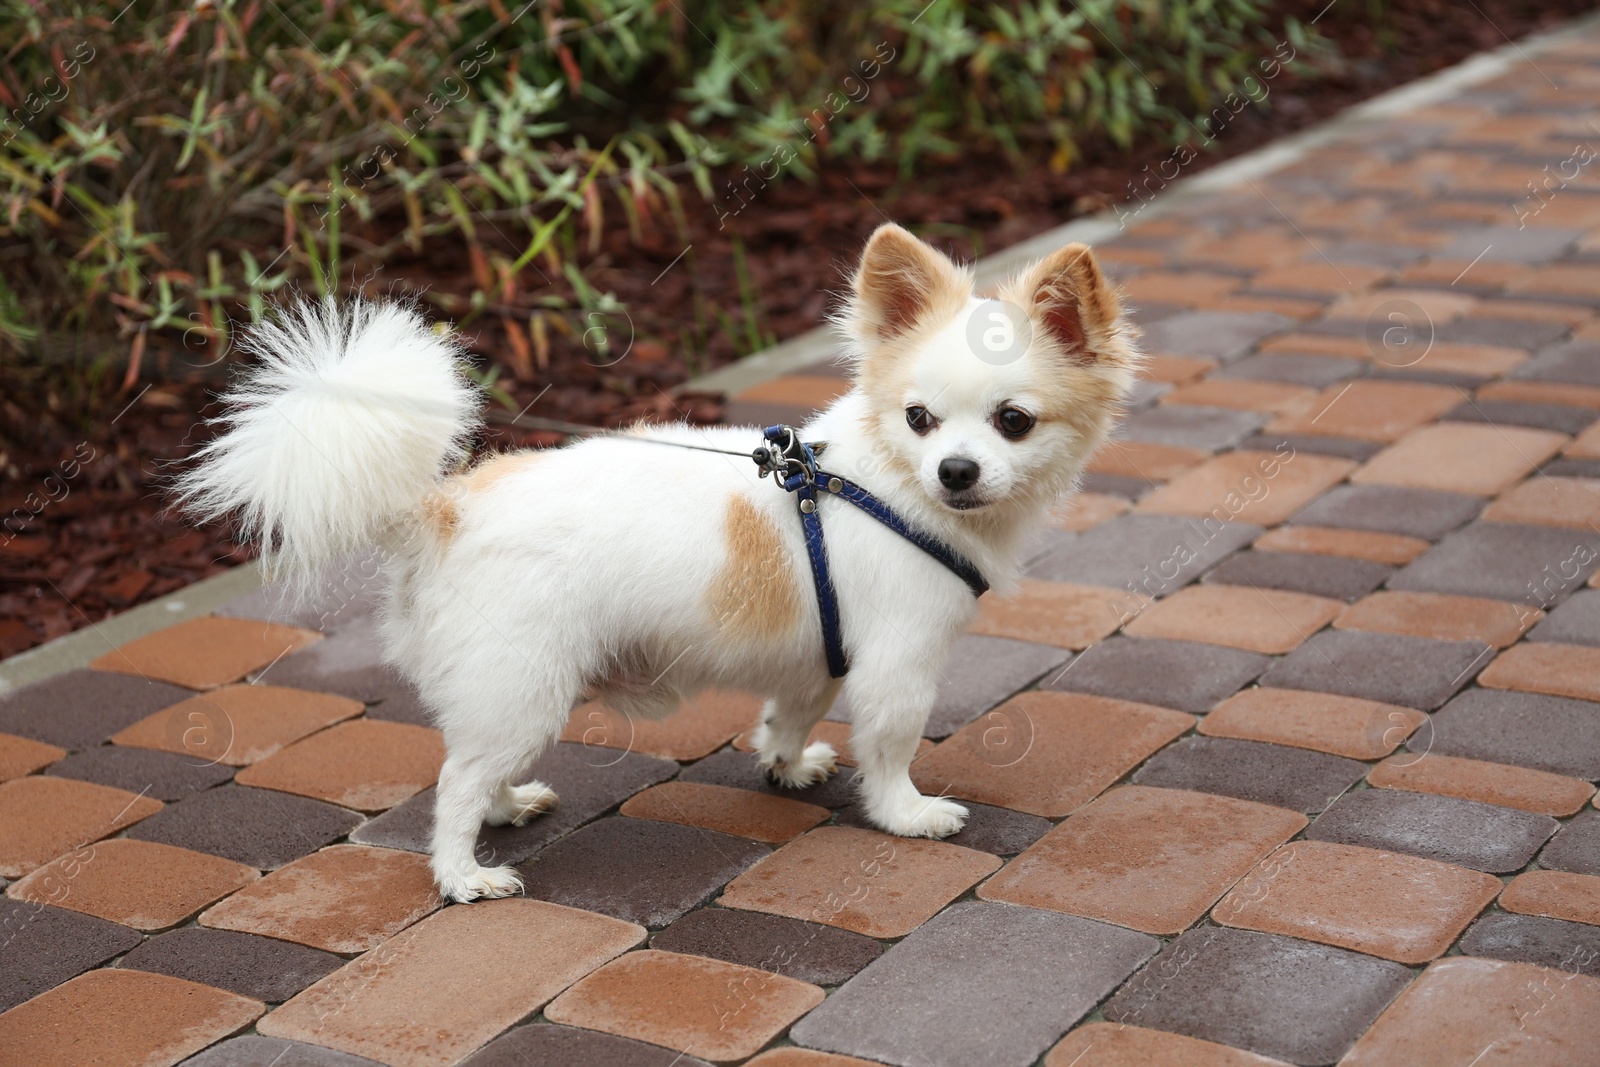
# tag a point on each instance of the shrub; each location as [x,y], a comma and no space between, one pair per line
[167,170]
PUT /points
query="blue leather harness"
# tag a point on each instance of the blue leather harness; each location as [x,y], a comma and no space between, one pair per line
[793,465]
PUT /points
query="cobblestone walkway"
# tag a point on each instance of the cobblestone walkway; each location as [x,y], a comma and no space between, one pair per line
[1285,753]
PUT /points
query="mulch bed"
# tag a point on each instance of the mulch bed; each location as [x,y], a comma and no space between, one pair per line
[88,535]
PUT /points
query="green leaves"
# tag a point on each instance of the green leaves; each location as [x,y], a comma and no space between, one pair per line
[164,158]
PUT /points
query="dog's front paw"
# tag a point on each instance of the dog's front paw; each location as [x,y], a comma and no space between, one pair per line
[924,817]
[485,883]
[519,803]
[817,763]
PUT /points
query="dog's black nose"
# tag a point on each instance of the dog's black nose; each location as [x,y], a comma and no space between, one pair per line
[956,474]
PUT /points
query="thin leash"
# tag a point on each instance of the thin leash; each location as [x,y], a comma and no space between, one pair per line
[781,454]
[575,429]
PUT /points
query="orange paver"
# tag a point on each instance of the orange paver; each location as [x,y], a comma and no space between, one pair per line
[1259,620]
[42,818]
[364,764]
[729,811]
[1442,617]
[141,884]
[1548,501]
[1385,904]
[1463,1009]
[1055,613]
[205,653]
[20,756]
[238,724]
[705,1008]
[1047,753]
[1152,859]
[386,1004]
[1490,783]
[1556,894]
[1370,410]
[1355,544]
[897,883]
[1545,667]
[1323,722]
[697,729]
[1141,459]
[1275,397]
[1090,509]
[1258,487]
[347,898]
[1461,457]
[121,1017]
[1118,1045]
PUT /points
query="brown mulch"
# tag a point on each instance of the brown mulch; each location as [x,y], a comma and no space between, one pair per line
[87,537]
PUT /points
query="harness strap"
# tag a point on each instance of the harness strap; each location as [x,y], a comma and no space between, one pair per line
[827,599]
[940,551]
[805,483]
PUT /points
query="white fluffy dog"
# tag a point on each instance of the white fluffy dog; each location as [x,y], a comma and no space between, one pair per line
[642,574]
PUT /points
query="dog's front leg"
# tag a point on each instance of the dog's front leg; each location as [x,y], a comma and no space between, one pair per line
[890,712]
[781,737]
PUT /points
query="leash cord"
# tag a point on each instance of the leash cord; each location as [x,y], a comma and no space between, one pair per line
[573,429]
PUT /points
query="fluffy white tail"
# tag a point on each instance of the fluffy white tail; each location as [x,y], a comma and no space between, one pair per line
[343,427]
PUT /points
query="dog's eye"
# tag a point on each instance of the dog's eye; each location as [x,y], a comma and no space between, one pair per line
[1013,422]
[920,419]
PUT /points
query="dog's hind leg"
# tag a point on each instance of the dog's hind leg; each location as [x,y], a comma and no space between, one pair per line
[514,805]
[485,751]
[780,740]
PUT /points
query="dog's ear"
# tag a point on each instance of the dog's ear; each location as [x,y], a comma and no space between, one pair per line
[1069,299]
[901,281]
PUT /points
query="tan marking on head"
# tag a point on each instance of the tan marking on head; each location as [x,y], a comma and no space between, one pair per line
[496,467]
[904,293]
[754,596]
[1079,331]
[903,283]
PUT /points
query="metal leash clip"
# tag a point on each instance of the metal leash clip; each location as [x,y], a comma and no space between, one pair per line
[789,460]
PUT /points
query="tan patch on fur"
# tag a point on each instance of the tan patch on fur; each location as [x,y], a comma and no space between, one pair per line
[440,514]
[755,594]
[491,470]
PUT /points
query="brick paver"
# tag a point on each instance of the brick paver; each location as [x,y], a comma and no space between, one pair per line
[42,818]
[387,1004]
[347,898]
[1461,1009]
[135,883]
[1397,907]
[730,811]
[1047,753]
[1151,859]
[364,764]
[708,1008]
[20,756]
[896,884]
[206,652]
[117,1016]
[238,724]
[1322,722]
[1306,683]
